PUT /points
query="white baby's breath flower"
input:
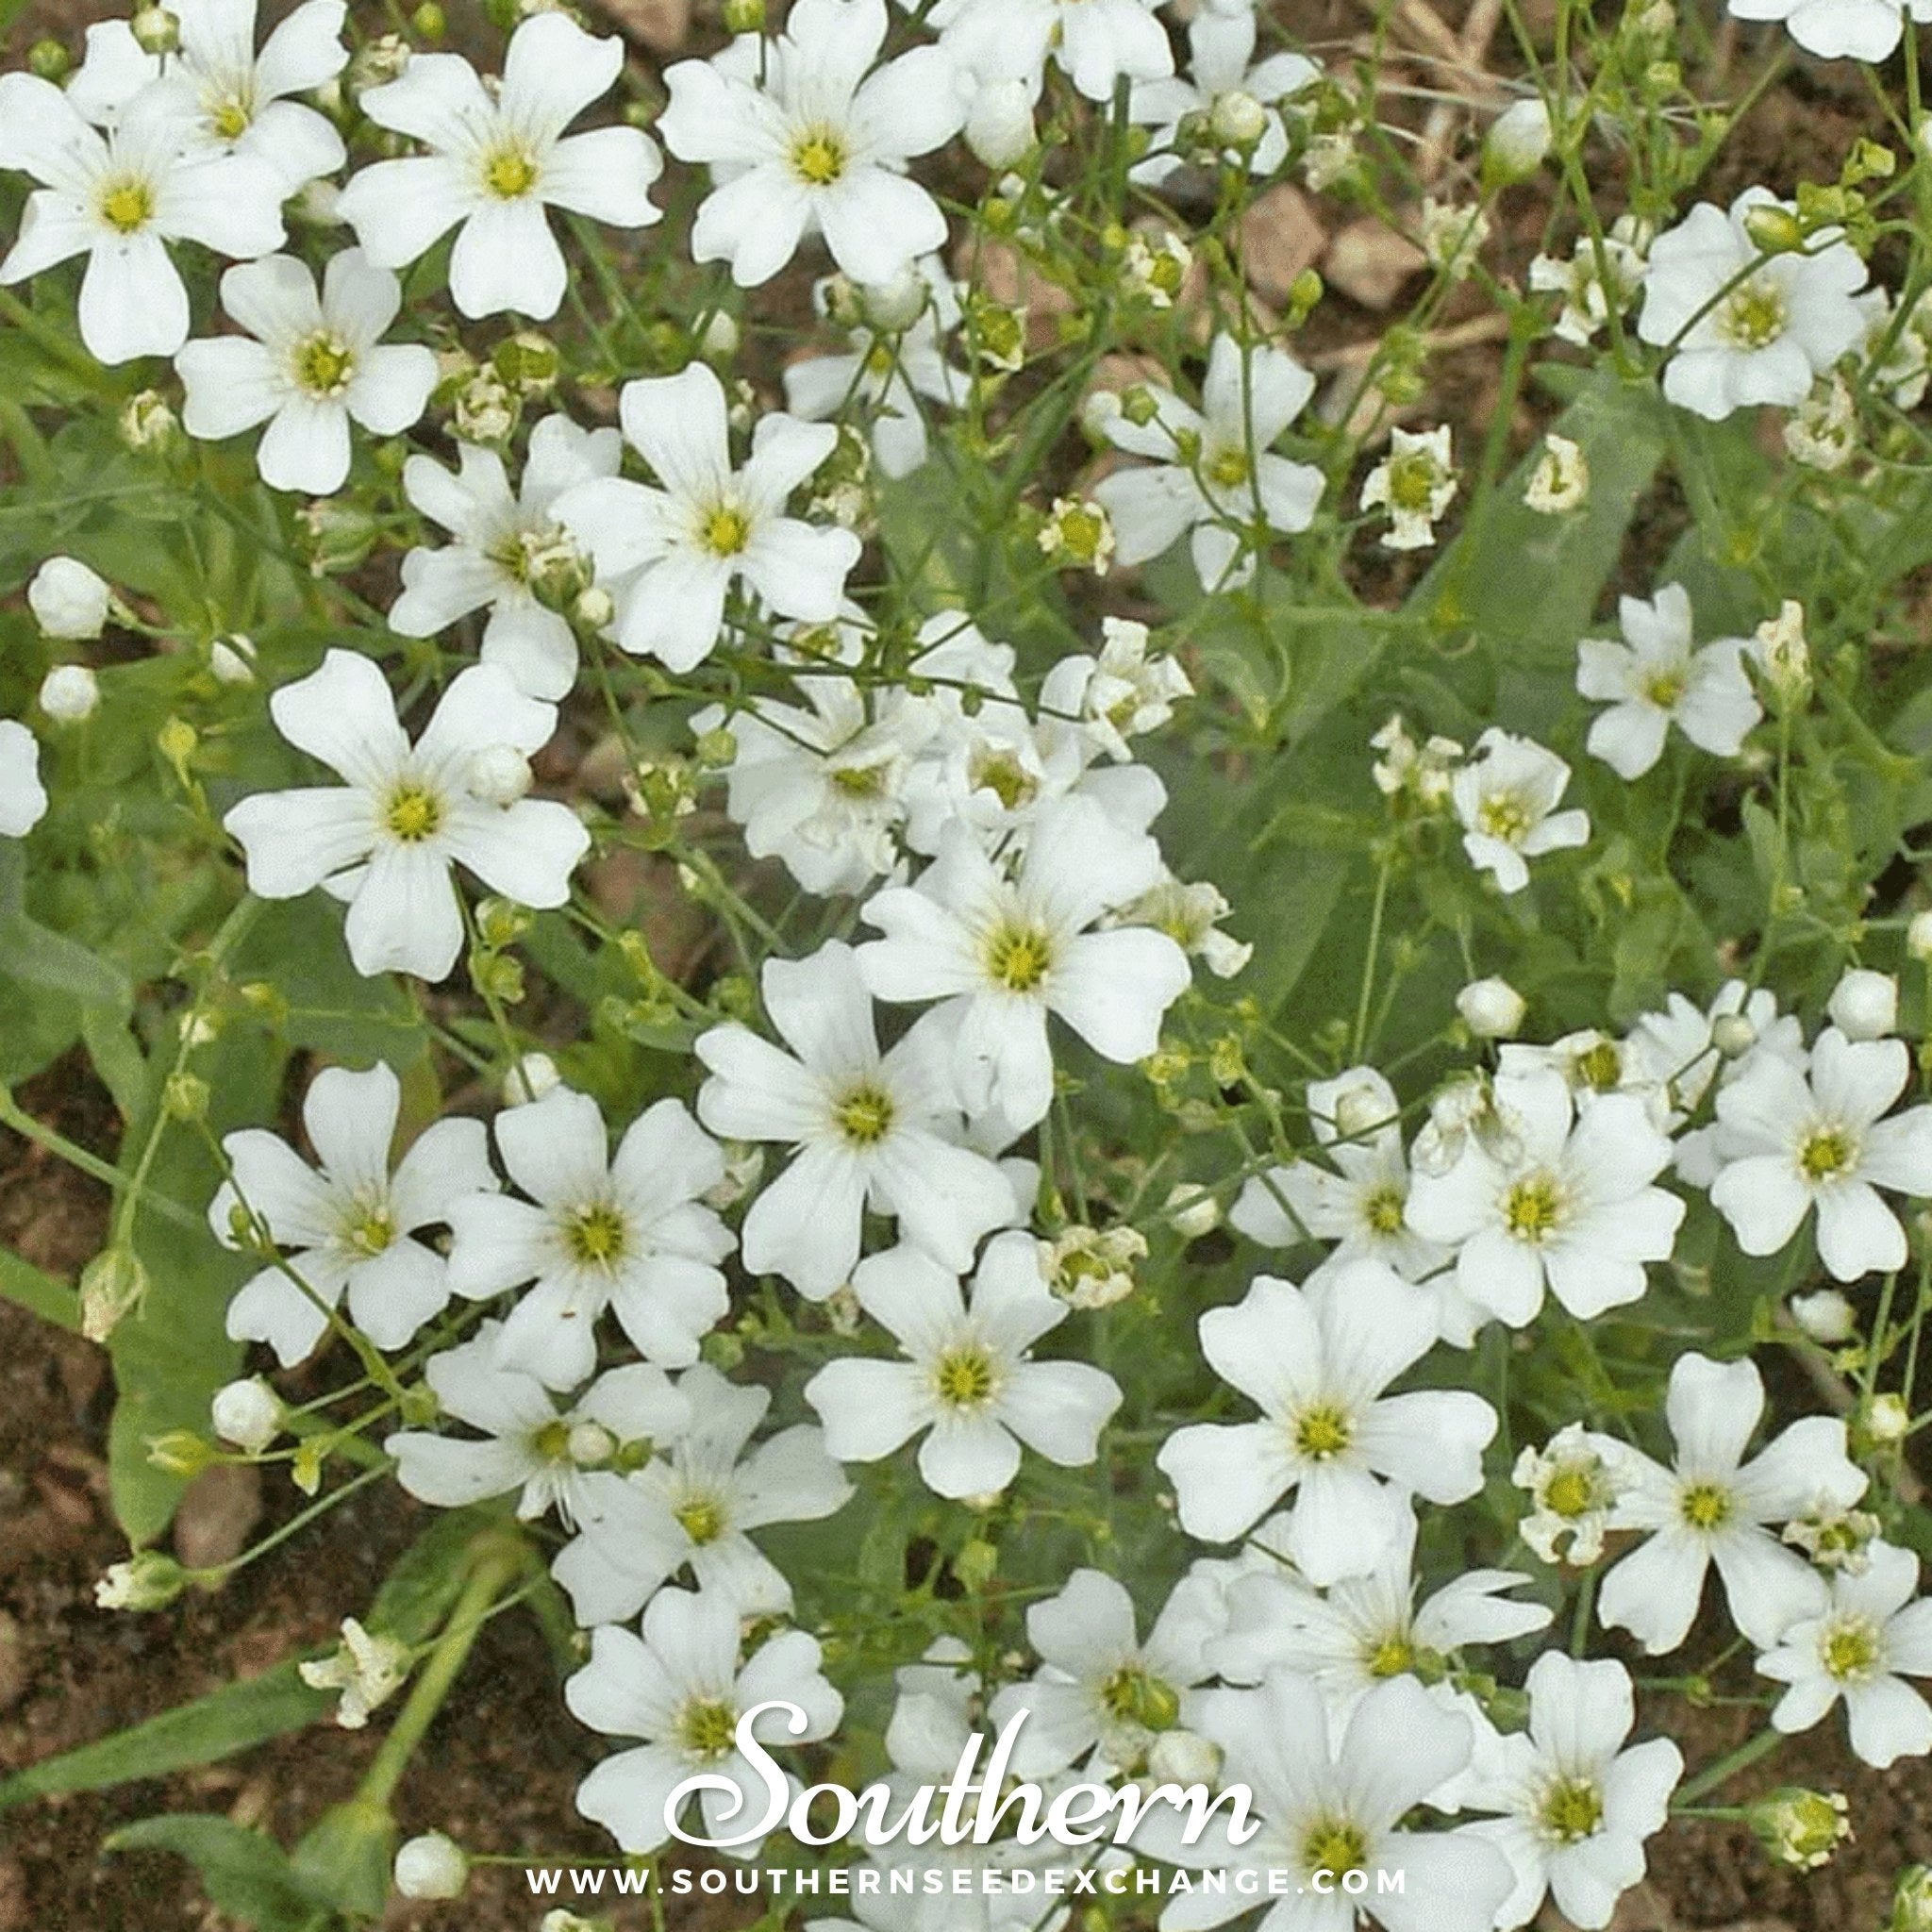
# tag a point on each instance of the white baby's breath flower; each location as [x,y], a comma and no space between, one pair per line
[1597,279]
[1415,482]
[366,1668]
[1505,795]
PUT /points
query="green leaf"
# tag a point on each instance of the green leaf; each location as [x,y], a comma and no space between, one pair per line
[346,1858]
[229,1720]
[38,1292]
[245,1873]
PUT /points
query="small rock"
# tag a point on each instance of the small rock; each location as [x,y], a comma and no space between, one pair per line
[1369,262]
[220,1508]
[658,25]
[1280,237]
[14,1911]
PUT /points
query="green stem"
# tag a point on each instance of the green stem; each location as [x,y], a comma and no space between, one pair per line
[1748,1753]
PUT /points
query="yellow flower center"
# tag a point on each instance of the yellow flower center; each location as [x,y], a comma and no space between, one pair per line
[726,531]
[1504,816]
[1412,483]
[509,173]
[817,157]
[1334,1846]
[229,114]
[1571,1808]
[865,1116]
[701,1518]
[1002,773]
[1230,469]
[1753,314]
[1705,1505]
[322,365]
[1572,1492]
[1849,1648]
[1826,1151]
[1382,1211]
[1019,958]
[964,1377]
[127,206]
[1533,1208]
[1322,1432]
[1135,1696]
[858,781]
[1601,1067]
[552,1442]
[1665,689]
[707,1727]
[370,1231]
[1389,1657]
[413,814]
[597,1235]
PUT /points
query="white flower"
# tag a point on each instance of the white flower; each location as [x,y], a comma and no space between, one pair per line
[497,162]
[1839,29]
[804,136]
[232,99]
[120,199]
[1569,1204]
[680,1688]
[624,1231]
[1712,1507]
[385,840]
[1573,1489]
[1093,42]
[70,693]
[560,1461]
[1122,692]
[502,539]
[1581,281]
[1864,1003]
[1316,1362]
[1220,49]
[1576,1804]
[1368,1628]
[1560,480]
[1789,1142]
[367,1670]
[696,1505]
[1505,797]
[1748,329]
[969,1383]
[431,1866]
[1452,236]
[1328,1811]
[22,797]
[1519,140]
[247,1413]
[1358,1200]
[1779,649]
[1003,953]
[867,1129]
[1872,1634]
[886,373]
[70,601]
[1098,1683]
[350,1221]
[1415,482]
[1212,474]
[671,554]
[1826,1315]
[306,367]
[1822,431]
[1657,677]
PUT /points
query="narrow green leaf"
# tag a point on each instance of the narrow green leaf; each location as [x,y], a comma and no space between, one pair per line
[38,1292]
[245,1873]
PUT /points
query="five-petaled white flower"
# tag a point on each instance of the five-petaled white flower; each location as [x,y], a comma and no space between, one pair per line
[1839,29]
[120,198]
[1316,1362]
[868,1129]
[802,137]
[385,840]
[1505,797]
[696,1503]
[1569,1203]
[679,1687]
[306,367]
[569,1460]
[1791,1141]
[1576,1804]
[1657,677]
[351,1222]
[234,100]
[624,1231]
[1213,473]
[1232,97]
[1744,326]
[1711,1507]
[970,1383]
[1873,1632]
[1415,483]
[671,554]
[504,537]
[497,162]
[1002,952]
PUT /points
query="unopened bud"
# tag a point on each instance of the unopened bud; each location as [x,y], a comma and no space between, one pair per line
[112,1285]
[1492,1009]
[247,1413]
[1519,140]
[155,30]
[1864,1003]
[999,123]
[1826,1315]
[1774,228]
[531,1076]
[1799,1827]
[70,693]
[499,775]
[1237,119]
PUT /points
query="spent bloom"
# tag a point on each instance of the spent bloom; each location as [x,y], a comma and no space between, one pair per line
[1415,483]
[384,840]
[1572,1490]
[498,161]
